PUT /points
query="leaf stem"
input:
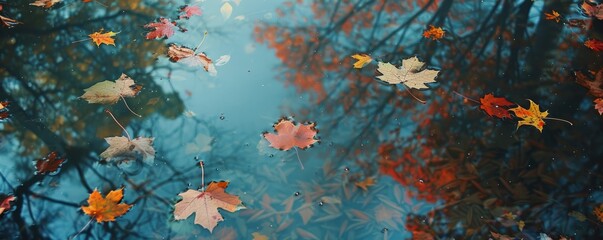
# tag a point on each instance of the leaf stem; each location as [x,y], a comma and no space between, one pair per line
[202,176]
[202,40]
[77,41]
[415,97]
[298,159]
[559,119]
[465,97]
[128,107]
[122,127]
[82,230]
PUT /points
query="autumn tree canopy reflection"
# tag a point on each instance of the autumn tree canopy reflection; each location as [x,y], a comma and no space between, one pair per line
[484,173]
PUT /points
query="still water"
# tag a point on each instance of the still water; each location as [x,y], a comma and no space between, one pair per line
[492,131]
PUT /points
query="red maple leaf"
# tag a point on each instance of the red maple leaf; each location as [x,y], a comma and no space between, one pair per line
[188,11]
[162,28]
[49,164]
[594,44]
[4,115]
[289,135]
[495,106]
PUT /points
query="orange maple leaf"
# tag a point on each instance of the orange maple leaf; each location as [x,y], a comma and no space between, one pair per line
[532,116]
[434,33]
[364,184]
[554,15]
[205,205]
[106,38]
[289,135]
[108,208]
[598,211]
[594,44]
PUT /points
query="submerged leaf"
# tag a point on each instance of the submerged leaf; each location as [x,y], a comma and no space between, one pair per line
[188,11]
[226,10]
[495,106]
[122,149]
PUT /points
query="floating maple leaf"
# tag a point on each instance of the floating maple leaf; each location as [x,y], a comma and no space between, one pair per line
[4,104]
[531,116]
[5,203]
[49,164]
[593,11]
[435,33]
[554,16]
[162,28]
[108,92]
[205,205]
[495,106]
[188,56]
[201,144]
[45,3]
[410,73]
[100,38]
[593,84]
[289,135]
[226,10]
[599,105]
[598,211]
[364,184]
[123,149]
[594,44]
[188,11]
[7,22]
[108,208]
[363,60]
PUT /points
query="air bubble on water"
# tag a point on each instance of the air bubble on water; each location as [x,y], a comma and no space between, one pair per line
[421,181]
[347,169]
[296,193]
[321,203]
[384,230]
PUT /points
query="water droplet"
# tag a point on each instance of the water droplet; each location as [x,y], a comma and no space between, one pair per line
[271,226]
[421,181]
[196,157]
[222,117]
[271,155]
[347,169]
[321,203]
[296,194]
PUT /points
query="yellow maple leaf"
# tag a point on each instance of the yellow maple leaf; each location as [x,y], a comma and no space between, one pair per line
[554,15]
[106,38]
[521,224]
[434,33]
[532,116]
[108,208]
[364,184]
[363,60]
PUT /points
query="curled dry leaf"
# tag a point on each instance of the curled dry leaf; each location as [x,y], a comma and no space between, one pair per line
[289,135]
[411,73]
[100,37]
[107,92]
[496,106]
[599,105]
[187,56]
[45,3]
[160,29]
[8,22]
[50,164]
[435,33]
[205,205]
[189,11]
[363,60]
[108,208]
[5,203]
[532,116]
[122,149]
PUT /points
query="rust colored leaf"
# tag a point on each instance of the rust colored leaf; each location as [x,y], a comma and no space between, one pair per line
[4,104]
[5,203]
[187,56]
[100,38]
[531,116]
[50,164]
[553,16]
[205,205]
[593,11]
[593,84]
[594,44]
[45,3]
[162,28]
[598,211]
[599,105]
[289,135]
[108,208]
[435,33]
[189,11]
[496,106]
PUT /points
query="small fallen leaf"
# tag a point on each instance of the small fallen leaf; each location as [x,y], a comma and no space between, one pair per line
[45,3]
[226,10]
[521,224]
[410,73]
[49,164]
[5,203]
[107,92]
[100,38]
[435,33]
[187,56]
[4,104]
[498,236]
[108,208]
[289,135]
[593,11]
[363,60]
[593,84]
[531,116]
[364,184]
[160,29]
[599,105]
[122,149]
[598,211]
[8,22]
[224,59]
[189,11]
[495,106]
[554,15]
[594,44]
[259,236]
[205,205]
